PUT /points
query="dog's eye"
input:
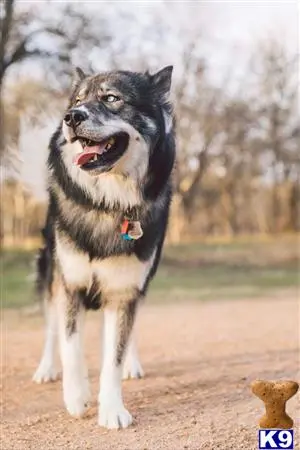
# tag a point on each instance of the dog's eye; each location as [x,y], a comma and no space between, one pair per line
[110,98]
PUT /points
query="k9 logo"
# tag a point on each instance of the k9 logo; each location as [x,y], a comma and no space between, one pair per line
[269,439]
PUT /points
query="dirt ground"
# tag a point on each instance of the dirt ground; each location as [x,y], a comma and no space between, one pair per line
[199,359]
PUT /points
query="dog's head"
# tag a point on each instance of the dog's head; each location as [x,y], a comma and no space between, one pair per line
[114,120]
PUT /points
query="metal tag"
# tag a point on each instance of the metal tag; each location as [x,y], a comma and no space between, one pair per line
[135,230]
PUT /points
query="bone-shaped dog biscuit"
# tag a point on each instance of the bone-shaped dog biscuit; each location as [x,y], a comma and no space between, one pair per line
[275,395]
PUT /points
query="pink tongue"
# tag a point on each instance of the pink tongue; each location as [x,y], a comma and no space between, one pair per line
[87,155]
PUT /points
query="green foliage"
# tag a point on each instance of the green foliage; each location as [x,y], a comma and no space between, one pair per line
[17,272]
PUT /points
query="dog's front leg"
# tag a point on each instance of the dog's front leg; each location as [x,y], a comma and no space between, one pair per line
[118,323]
[75,377]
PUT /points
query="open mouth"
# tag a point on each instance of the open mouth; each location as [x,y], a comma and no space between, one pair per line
[101,154]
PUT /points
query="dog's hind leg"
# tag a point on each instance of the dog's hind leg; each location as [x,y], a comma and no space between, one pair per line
[118,323]
[132,367]
[71,316]
[47,370]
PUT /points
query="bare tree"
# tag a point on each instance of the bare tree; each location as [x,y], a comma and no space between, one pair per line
[24,34]
[198,106]
[277,107]
[238,157]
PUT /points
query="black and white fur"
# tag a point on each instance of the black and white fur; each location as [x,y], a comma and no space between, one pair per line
[85,263]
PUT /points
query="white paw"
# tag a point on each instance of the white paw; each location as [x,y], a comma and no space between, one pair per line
[132,369]
[76,396]
[45,373]
[114,416]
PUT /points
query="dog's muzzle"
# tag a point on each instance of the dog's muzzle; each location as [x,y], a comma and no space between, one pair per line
[75,117]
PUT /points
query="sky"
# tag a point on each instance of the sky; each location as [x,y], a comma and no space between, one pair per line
[242,23]
[234,24]
[228,29]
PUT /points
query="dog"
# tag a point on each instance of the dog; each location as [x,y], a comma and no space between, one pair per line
[110,170]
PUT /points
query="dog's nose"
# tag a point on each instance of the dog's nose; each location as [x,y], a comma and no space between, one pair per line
[74,117]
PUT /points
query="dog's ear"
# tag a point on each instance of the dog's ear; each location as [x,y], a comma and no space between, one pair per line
[78,76]
[161,80]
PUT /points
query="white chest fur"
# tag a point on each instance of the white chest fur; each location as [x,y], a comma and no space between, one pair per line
[115,273]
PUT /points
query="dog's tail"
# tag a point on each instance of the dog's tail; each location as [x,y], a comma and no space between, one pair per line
[44,262]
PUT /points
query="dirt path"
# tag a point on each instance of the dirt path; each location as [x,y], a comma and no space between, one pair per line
[199,361]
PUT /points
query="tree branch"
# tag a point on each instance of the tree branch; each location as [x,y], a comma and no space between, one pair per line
[21,52]
[5,27]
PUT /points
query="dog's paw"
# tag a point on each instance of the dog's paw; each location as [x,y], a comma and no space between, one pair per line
[132,369]
[114,416]
[45,373]
[76,397]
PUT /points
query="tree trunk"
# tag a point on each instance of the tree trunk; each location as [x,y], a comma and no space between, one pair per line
[1,123]
[294,206]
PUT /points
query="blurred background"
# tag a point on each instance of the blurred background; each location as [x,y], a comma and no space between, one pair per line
[235,214]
